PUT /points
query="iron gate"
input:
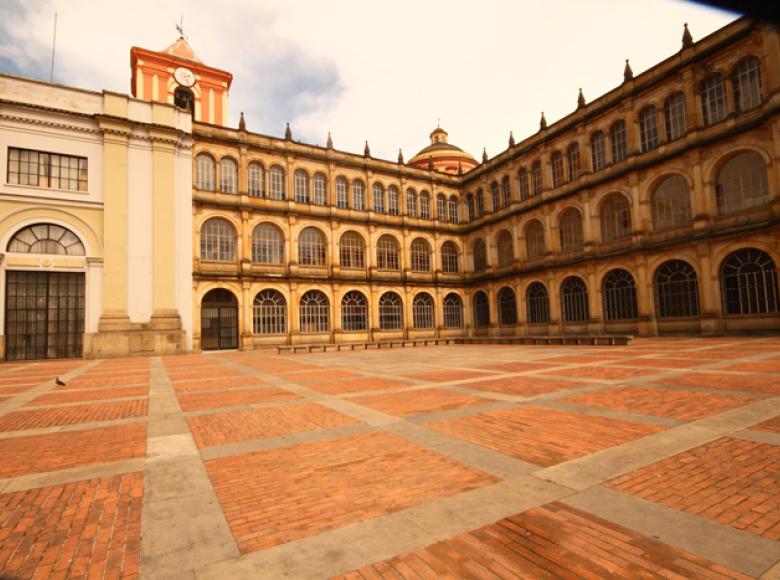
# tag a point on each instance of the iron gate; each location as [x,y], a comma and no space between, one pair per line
[219,321]
[44,315]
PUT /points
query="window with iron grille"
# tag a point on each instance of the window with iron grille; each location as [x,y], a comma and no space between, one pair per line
[573,161]
[378,193]
[507,307]
[648,128]
[741,183]
[320,187]
[351,251]
[619,295]
[387,253]
[597,152]
[615,218]
[453,311]
[422,311]
[671,203]
[441,208]
[556,164]
[522,181]
[713,100]
[392,200]
[270,313]
[506,252]
[411,203]
[276,182]
[480,256]
[218,241]
[574,300]
[301,180]
[425,205]
[746,79]
[449,258]
[390,311]
[204,171]
[748,282]
[506,192]
[537,304]
[676,290]
[480,203]
[617,136]
[534,240]
[421,256]
[314,312]
[453,209]
[311,247]
[46,239]
[358,195]
[354,312]
[495,196]
[256,180]
[342,200]
[228,175]
[536,178]
[267,245]
[570,225]
[675,116]
[481,310]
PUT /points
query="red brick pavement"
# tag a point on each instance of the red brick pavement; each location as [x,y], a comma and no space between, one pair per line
[191,386]
[725,381]
[770,425]
[229,398]
[85,381]
[754,367]
[660,363]
[318,375]
[419,401]
[64,396]
[517,367]
[602,373]
[337,386]
[446,376]
[525,386]
[38,418]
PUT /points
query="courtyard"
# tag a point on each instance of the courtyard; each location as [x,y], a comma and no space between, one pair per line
[656,459]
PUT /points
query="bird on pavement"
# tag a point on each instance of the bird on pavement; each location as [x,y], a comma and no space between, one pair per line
[58,382]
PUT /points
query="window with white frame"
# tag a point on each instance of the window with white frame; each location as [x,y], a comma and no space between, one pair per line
[675,116]
[420,254]
[450,262]
[411,203]
[741,183]
[312,249]
[267,245]
[390,312]
[392,200]
[506,191]
[453,203]
[615,218]
[342,198]
[358,195]
[320,187]
[441,208]
[422,311]
[534,240]
[354,312]
[573,161]
[713,99]
[314,312]
[536,178]
[495,197]
[269,313]
[387,250]
[746,79]
[352,251]
[228,175]
[301,182]
[671,203]
[378,194]
[50,170]
[570,226]
[522,181]
[256,180]
[204,172]
[648,128]
[218,241]
[276,182]
[453,311]
[556,164]
[597,151]
[425,205]
[617,137]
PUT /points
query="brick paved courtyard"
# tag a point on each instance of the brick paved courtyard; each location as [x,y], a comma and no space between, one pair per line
[657,459]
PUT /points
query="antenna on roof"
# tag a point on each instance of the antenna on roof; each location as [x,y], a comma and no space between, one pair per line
[53,45]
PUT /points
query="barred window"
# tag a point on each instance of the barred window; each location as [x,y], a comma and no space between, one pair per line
[301,180]
[392,200]
[537,304]
[495,196]
[354,312]
[713,99]
[556,163]
[256,180]
[534,240]
[573,161]
[314,312]
[615,218]
[675,116]
[748,282]
[470,207]
[441,208]
[342,200]
[422,311]
[449,258]
[453,202]
[746,78]
[228,175]
[51,170]
[481,310]
[507,307]
[320,187]
[617,136]
[387,253]
[390,311]
[619,295]
[411,203]
[648,128]
[425,205]
[671,203]
[522,180]
[270,313]
[570,225]
[506,192]
[480,203]
[741,183]
[276,182]
[204,172]
[358,195]
[453,311]
[676,290]
[574,300]
[421,256]
[378,193]
[46,239]
[311,247]
[506,252]
[480,256]
[598,154]
[352,250]
[218,241]
[267,245]
[536,178]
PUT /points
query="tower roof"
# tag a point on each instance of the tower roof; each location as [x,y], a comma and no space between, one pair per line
[444,155]
[182,49]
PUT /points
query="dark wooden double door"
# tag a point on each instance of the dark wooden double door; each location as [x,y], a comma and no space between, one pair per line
[219,320]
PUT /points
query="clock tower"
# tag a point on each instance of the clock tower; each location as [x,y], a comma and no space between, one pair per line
[178,77]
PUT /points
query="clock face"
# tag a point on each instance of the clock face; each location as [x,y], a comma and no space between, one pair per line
[184,76]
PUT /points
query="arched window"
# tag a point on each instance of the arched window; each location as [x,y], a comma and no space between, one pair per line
[411,203]
[480,203]
[573,161]
[619,294]
[342,200]
[184,98]
[556,163]
[358,195]
[741,183]
[746,79]
[46,239]
[537,304]
[506,191]
[536,178]
[420,255]
[301,179]
[675,116]
[676,290]
[748,283]
[204,172]
[615,218]
[228,175]
[378,193]
[354,312]
[270,313]
[256,180]
[574,300]
[481,310]
[449,258]
[320,187]
[453,207]
[218,241]
[470,206]
[314,312]
[276,182]
[441,208]
[671,203]
[422,311]
[495,196]
[453,311]
[352,251]
[534,240]
[570,227]
[713,99]
[598,154]
[392,200]
[390,312]
[648,128]
[387,253]
[522,182]
[425,205]
[507,307]
[312,247]
[480,256]
[619,145]
[267,245]
[506,252]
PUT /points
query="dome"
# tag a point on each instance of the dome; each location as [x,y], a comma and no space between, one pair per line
[445,156]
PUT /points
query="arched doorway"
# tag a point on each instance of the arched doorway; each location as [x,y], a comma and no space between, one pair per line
[218,320]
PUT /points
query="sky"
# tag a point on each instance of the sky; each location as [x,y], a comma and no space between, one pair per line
[382,72]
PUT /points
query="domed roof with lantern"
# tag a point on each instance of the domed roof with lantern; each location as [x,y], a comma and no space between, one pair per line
[442,155]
